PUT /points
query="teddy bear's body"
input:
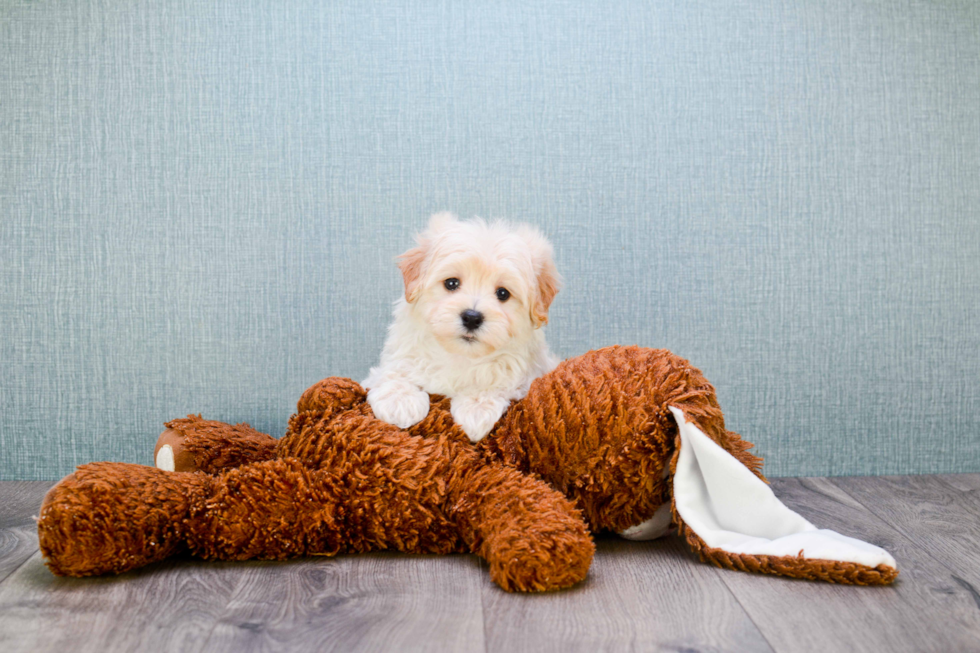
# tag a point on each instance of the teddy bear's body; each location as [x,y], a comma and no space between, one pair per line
[590,448]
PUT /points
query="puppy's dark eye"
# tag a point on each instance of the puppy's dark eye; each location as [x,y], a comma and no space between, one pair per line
[451,284]
[503,294]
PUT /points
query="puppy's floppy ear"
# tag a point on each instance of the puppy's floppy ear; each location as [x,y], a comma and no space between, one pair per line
[412,265]
[412,262]
[547,281]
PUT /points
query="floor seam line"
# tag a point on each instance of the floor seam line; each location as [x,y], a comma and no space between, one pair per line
[721,576]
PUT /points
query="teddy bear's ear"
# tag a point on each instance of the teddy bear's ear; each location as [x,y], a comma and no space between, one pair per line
[547,281]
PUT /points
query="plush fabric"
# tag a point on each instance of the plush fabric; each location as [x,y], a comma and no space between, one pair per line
[593,446]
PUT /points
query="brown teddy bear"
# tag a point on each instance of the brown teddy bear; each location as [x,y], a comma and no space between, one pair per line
[622,439]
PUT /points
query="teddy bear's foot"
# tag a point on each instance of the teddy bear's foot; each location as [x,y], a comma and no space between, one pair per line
[114,517]
[193,444]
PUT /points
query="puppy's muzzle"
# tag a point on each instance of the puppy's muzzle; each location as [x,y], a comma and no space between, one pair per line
[471,319]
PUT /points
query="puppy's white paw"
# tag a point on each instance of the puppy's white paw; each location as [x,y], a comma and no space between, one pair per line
[477,415]
[399,403]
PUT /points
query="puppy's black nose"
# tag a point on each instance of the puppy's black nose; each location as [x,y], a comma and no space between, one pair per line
[471,319]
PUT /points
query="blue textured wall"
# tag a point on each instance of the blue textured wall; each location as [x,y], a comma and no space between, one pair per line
[200,202]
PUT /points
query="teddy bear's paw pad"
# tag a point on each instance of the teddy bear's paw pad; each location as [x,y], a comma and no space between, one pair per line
[165,458]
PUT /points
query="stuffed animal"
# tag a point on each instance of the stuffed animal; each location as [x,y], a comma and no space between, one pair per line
[622,439]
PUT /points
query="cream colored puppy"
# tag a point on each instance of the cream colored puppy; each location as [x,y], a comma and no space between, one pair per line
[469,324]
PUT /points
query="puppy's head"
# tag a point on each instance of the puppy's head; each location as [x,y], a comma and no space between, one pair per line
[479,286]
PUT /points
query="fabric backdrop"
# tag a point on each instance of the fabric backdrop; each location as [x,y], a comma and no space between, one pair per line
[200,203]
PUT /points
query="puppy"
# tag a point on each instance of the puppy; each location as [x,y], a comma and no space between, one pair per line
[469,324]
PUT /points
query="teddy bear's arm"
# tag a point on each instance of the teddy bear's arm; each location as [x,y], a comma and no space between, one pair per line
[531,535]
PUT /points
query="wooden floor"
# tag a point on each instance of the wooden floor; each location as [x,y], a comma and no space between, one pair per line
[639,596]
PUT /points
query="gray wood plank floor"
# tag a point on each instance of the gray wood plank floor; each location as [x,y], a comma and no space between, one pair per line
[639,596]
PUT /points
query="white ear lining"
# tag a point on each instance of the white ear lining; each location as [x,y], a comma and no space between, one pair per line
[731,509]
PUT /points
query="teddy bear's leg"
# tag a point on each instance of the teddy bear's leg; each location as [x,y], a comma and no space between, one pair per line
[363,486]
[275,509]
[193,444]
[113,517]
